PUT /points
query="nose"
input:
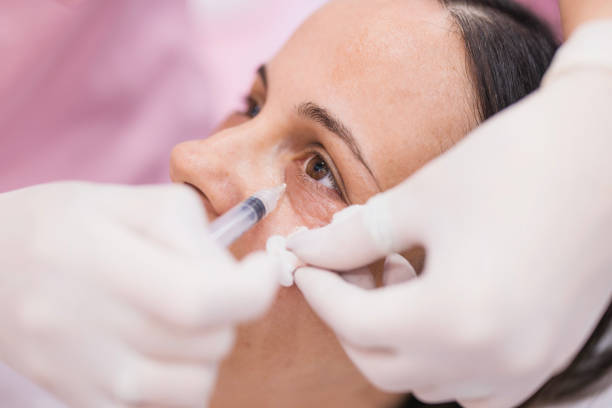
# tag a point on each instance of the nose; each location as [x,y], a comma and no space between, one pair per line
[228,166]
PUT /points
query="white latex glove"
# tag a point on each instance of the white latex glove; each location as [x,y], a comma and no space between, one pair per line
[517,223]
[114,296]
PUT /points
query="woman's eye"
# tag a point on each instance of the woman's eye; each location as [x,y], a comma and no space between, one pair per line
[252,107]
[317,169]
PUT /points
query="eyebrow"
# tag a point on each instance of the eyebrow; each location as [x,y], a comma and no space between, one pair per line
[322,116]
[263,74]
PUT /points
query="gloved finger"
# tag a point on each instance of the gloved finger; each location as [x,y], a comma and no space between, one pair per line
[200,405]
[229,294]
[392,370]
[189,292]
[397,270]
[119,199]
[82,393]
[106,403]
[361,278]
[370,232]
[508,398]
[488,402]
[170,214]
[175,345]
[244,294]
[432,395]
[165,385]
[381,367]
[472,393]
[353,313]
[206,347]
[146,335]
[209,346]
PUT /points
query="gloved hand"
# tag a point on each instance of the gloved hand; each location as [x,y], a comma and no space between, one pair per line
[517,224]
[114,296]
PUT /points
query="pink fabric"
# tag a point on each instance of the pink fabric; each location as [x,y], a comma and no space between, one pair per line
[103,91]
[233,46]
[97,92]
[547,9]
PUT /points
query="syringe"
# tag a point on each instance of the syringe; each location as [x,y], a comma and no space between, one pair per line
[230,226]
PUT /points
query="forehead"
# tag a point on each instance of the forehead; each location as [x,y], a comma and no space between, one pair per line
[393,70]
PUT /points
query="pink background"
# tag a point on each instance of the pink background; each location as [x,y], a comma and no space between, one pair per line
[102,91]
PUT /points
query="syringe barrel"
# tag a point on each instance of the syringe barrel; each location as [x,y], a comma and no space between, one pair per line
[230,226]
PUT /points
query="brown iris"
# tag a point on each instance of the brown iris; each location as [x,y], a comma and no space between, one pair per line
[317,168]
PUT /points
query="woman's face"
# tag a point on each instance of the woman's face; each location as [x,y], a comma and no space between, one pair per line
[364,94]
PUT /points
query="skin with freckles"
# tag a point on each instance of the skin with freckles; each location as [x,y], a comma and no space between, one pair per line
[364,94]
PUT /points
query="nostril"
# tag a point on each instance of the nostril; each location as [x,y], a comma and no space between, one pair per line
[196,189]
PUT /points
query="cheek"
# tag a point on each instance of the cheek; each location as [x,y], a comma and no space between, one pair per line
[283,221]
[303,205]
[314,204]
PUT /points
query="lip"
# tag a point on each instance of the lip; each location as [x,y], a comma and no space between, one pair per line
[211,214]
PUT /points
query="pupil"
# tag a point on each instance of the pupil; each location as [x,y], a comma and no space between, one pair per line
[255,110]
[319,166]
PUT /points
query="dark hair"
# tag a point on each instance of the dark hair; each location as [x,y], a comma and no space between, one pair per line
[508,50]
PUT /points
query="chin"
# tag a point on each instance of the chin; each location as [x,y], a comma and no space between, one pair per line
[287,349]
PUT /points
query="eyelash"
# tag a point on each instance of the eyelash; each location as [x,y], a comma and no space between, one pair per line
[253,108]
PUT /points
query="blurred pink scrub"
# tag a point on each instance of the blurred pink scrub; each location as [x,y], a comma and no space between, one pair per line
[102,91]
[548,9]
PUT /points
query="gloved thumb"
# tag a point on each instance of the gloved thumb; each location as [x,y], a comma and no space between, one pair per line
[359,235]
[338,303]
[253,288]
[353,312]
